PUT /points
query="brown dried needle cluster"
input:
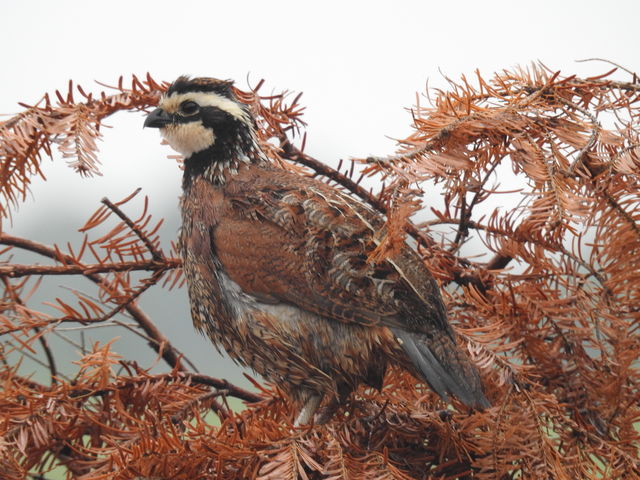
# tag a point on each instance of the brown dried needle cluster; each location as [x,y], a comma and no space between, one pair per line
[549,312]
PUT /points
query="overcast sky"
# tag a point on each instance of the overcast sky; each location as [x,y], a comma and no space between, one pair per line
[359,65]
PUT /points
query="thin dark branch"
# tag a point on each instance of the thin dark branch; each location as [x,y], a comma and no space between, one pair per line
[580,156]
[160,343]
[222,384]
[47,352]
[43,341]
[210,398]
[293,153]
[617,65]
[466,211]
[155,253]
[17,270]
[146,284]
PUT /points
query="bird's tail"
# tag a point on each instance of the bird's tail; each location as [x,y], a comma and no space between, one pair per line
[444,366]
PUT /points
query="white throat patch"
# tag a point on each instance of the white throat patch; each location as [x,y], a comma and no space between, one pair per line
[188,138]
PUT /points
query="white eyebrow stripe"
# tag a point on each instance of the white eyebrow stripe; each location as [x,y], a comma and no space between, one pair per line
[204,99]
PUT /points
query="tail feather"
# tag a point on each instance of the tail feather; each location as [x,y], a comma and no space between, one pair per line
[445,368]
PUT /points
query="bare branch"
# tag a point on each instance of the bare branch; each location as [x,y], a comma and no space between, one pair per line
[16,270]
[160,343]
[155,253]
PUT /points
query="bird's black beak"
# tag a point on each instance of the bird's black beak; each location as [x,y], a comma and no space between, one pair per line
[158,119]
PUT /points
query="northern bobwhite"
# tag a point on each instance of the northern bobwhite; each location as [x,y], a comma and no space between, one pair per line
[277,269]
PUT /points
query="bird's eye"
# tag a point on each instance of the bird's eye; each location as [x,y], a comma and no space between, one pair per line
[189,108]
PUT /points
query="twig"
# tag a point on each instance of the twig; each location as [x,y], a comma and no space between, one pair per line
[621,152]
[210,397]
[434,143]
[220,384]
[155,253]
[17,270]
[43,341]
[467,211]
[617,65]
[146,284]
[102,325]
[38,361]
[592,138]
[160,343]
[223,384]
[291,152]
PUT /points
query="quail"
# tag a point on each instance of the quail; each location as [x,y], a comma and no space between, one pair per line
[279,272]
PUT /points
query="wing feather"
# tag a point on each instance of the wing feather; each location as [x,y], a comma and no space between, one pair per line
[312,249]
[307,244]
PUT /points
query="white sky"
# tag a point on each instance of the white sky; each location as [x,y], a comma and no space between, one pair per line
[358,63]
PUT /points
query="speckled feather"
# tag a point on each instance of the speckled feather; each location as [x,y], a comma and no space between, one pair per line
[278,277]
[324,320]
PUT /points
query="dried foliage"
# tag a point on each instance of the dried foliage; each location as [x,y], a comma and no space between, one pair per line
[550,312]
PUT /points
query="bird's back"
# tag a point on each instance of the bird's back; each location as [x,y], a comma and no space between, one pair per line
[289,275]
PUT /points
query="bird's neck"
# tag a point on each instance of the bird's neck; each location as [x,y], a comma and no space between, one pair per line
[223,159]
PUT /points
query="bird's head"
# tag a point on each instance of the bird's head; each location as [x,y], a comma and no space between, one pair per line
[200,114]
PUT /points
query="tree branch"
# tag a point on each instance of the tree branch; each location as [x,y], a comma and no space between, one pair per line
[160,344]
[16,270]
[155,253]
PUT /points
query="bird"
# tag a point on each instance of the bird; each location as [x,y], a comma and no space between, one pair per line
[279,272]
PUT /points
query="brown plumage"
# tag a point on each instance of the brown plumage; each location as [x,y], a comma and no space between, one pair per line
[278,272]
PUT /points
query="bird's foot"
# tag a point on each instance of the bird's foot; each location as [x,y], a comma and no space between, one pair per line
[308,410]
